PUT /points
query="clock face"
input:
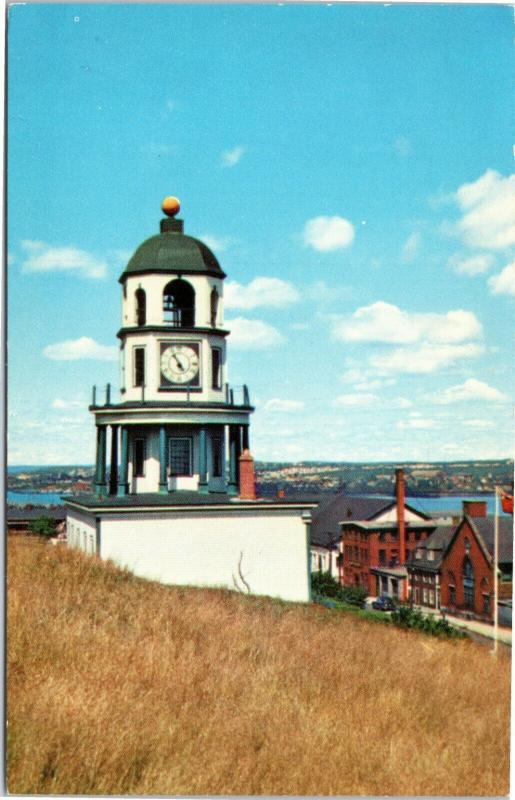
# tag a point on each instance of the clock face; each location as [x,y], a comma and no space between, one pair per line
[180,363]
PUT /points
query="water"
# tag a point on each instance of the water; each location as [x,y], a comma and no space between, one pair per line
[425,504]
[34,499]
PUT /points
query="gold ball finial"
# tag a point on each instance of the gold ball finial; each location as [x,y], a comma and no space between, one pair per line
[171,206]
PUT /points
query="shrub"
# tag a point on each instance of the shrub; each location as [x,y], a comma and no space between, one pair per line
[406,617]
[323,584]
[42,526]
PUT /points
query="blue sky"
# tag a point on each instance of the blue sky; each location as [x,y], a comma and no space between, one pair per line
[350,166]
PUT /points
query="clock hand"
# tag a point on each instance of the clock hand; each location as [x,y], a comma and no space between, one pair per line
[178,363]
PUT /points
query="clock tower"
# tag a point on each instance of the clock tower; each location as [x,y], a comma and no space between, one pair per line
[179,426]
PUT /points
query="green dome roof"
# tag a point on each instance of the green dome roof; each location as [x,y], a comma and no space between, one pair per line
[173,252]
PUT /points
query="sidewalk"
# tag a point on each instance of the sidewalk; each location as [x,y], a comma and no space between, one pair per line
[482,628]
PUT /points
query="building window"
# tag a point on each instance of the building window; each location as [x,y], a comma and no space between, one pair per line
[141,307]
[216,367]
[486,603]
[382,557]
[180,456]
[139,458]
[139,366]
[468,583]
[431,598]
[179,304]
[218,452]
[424,596]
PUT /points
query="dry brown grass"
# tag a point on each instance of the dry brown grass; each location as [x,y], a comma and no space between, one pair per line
[121,686]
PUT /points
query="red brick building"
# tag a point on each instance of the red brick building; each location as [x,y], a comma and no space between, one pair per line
[453,569]
[375,550]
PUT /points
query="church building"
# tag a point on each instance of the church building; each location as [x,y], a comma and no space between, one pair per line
[174,494]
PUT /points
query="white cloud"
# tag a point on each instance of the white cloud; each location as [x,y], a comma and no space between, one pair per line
[416,423]
[219,243]
[504,282]
[424,358]
[67,404]
[42,257]
[478,423]
[384,322]
[83,348]
[272,292]
[355,399]
[231,157]
[474,265]
[328,233]
[470,390]
[400,402]
[488,206]
[253,334]
[289,406]
[411,247]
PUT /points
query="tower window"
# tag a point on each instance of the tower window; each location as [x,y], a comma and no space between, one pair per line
[180,456]
[179,304]
[139,366]
[139,458]
[214,307]
[141,307]
[218,445]
[216,367]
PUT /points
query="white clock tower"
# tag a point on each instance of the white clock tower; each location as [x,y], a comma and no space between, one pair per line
[178,426]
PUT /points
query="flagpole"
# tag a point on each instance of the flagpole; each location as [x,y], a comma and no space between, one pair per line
[496,560]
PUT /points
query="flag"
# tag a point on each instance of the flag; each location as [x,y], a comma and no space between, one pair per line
[507,502]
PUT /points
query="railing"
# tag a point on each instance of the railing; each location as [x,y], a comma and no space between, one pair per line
[179,317]
[237,395]
[234,395]
[107,396]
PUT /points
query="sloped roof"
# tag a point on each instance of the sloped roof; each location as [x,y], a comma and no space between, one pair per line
[17,514]
[485,526]
[325,527]
[438,541]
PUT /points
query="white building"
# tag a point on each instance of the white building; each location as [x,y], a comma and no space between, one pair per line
[177,503]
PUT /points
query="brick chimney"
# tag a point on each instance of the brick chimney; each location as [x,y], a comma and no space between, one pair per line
[400,495]
[474,508]
[247,477]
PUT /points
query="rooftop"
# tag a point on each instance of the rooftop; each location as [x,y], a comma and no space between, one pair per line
[171,251]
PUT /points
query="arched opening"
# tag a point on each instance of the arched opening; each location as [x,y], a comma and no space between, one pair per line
[179,304]
[141,307]
[451,582]
[214,306]
[468,583]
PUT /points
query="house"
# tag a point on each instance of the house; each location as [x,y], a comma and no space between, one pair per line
[366,541]
[326,534]
[375,549]
[453,569]
[174,491]
[20,519]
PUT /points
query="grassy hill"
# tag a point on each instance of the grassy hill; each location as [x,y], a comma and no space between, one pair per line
[116,685]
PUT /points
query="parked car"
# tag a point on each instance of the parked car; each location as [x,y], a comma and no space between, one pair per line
[384,603]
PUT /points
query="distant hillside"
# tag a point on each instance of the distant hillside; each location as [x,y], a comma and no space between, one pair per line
[120,686]
[422,478]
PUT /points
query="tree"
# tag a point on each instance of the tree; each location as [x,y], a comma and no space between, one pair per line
[42,526]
